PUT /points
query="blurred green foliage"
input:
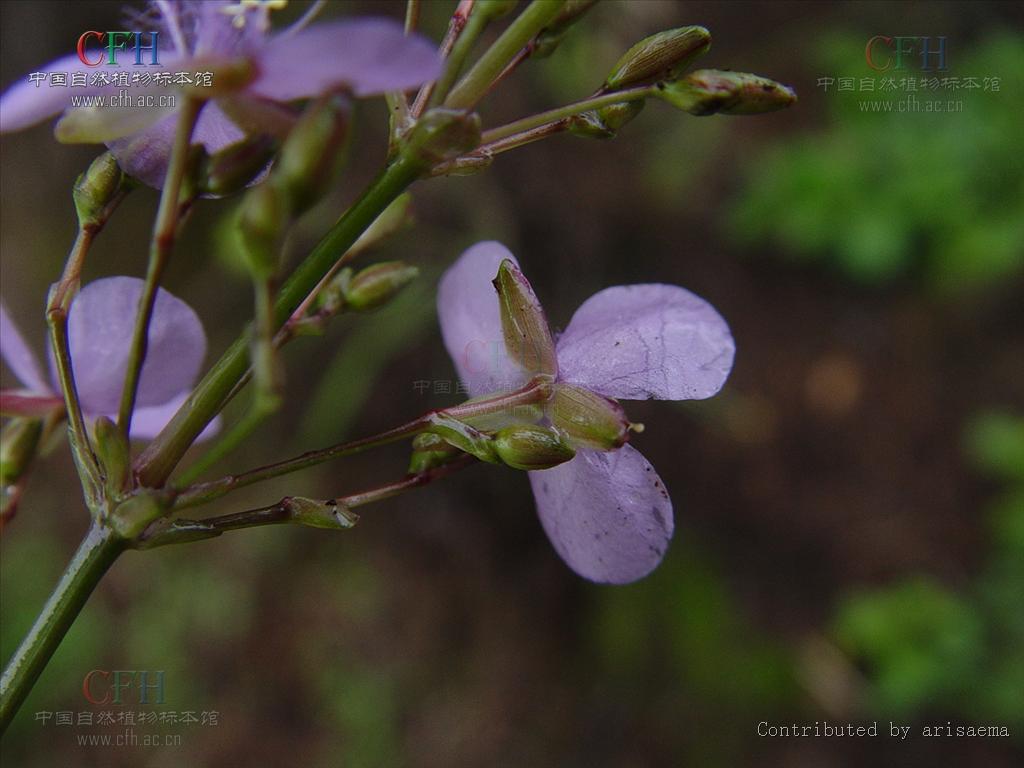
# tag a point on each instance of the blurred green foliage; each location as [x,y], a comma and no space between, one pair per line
[929,647]
[882,195]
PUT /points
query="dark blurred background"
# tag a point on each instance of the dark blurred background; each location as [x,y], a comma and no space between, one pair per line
[850,510]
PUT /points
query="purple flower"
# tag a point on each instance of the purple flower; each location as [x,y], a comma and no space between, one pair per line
[100,326]
[607,513]
[366,57]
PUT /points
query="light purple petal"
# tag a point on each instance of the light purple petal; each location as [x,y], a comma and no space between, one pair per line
[639,342]
[470,316]
[24,104]
[18,356]
[147,422]
[144,155]
[100,327]
[368,56]
[607,514]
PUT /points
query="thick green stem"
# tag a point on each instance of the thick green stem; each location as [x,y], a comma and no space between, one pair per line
[97,552]
[164,229]
[460,52]
[156,463]
[489,67]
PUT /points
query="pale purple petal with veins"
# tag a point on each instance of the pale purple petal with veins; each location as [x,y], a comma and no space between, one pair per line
[18,355]
[367,56]
[144,155]
[149,421]
[24,104]
[100,326]
[607,514]
[647,341]
[470,316]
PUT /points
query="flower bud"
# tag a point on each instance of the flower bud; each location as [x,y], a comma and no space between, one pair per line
[552,35]
[311,153]
[530,447]
[527,335]
[133,515]
[378,284]
[97,188]
[113,453]
[708,91]
[319,514]
[233,168]
[589,419]
[19,443]
[262,221]
[442,134]
[430,450]
[659,57]
[604,123]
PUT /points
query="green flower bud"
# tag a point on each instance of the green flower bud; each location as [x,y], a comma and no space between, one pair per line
[604,123]
[311,153]
[113,453]
[708,91]
[232,168]
[442,134]
[19,443]
[97,188]
[319,514]
[264,216]
[132,516]
[552,35]
[378,284]
[527,335]
[531,447]
[663,56]
[589,419]
[429,451]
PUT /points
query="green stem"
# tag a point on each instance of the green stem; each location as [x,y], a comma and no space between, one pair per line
[412,15]
[489,67]
[97,552]
[156,463]
[164,228]
[475,25]
[560,113]
[534,392]
[57,320]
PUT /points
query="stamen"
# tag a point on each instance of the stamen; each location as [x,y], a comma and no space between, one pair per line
[170,19]
[238,11]
[311,13]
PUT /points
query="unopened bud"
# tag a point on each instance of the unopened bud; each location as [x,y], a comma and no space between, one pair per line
[134,515]
[589,419]
[530,447]
[442,134]
[663,56]
[527,334]
[319,514]
[19,443]
[310,154]
[604,123]
[97,188]
[378,284]
[233,168]
[552,35]
[113,453]
[708,91]
[264,216]
[429,451]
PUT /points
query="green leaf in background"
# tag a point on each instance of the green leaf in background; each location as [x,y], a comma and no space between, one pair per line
[879,195]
